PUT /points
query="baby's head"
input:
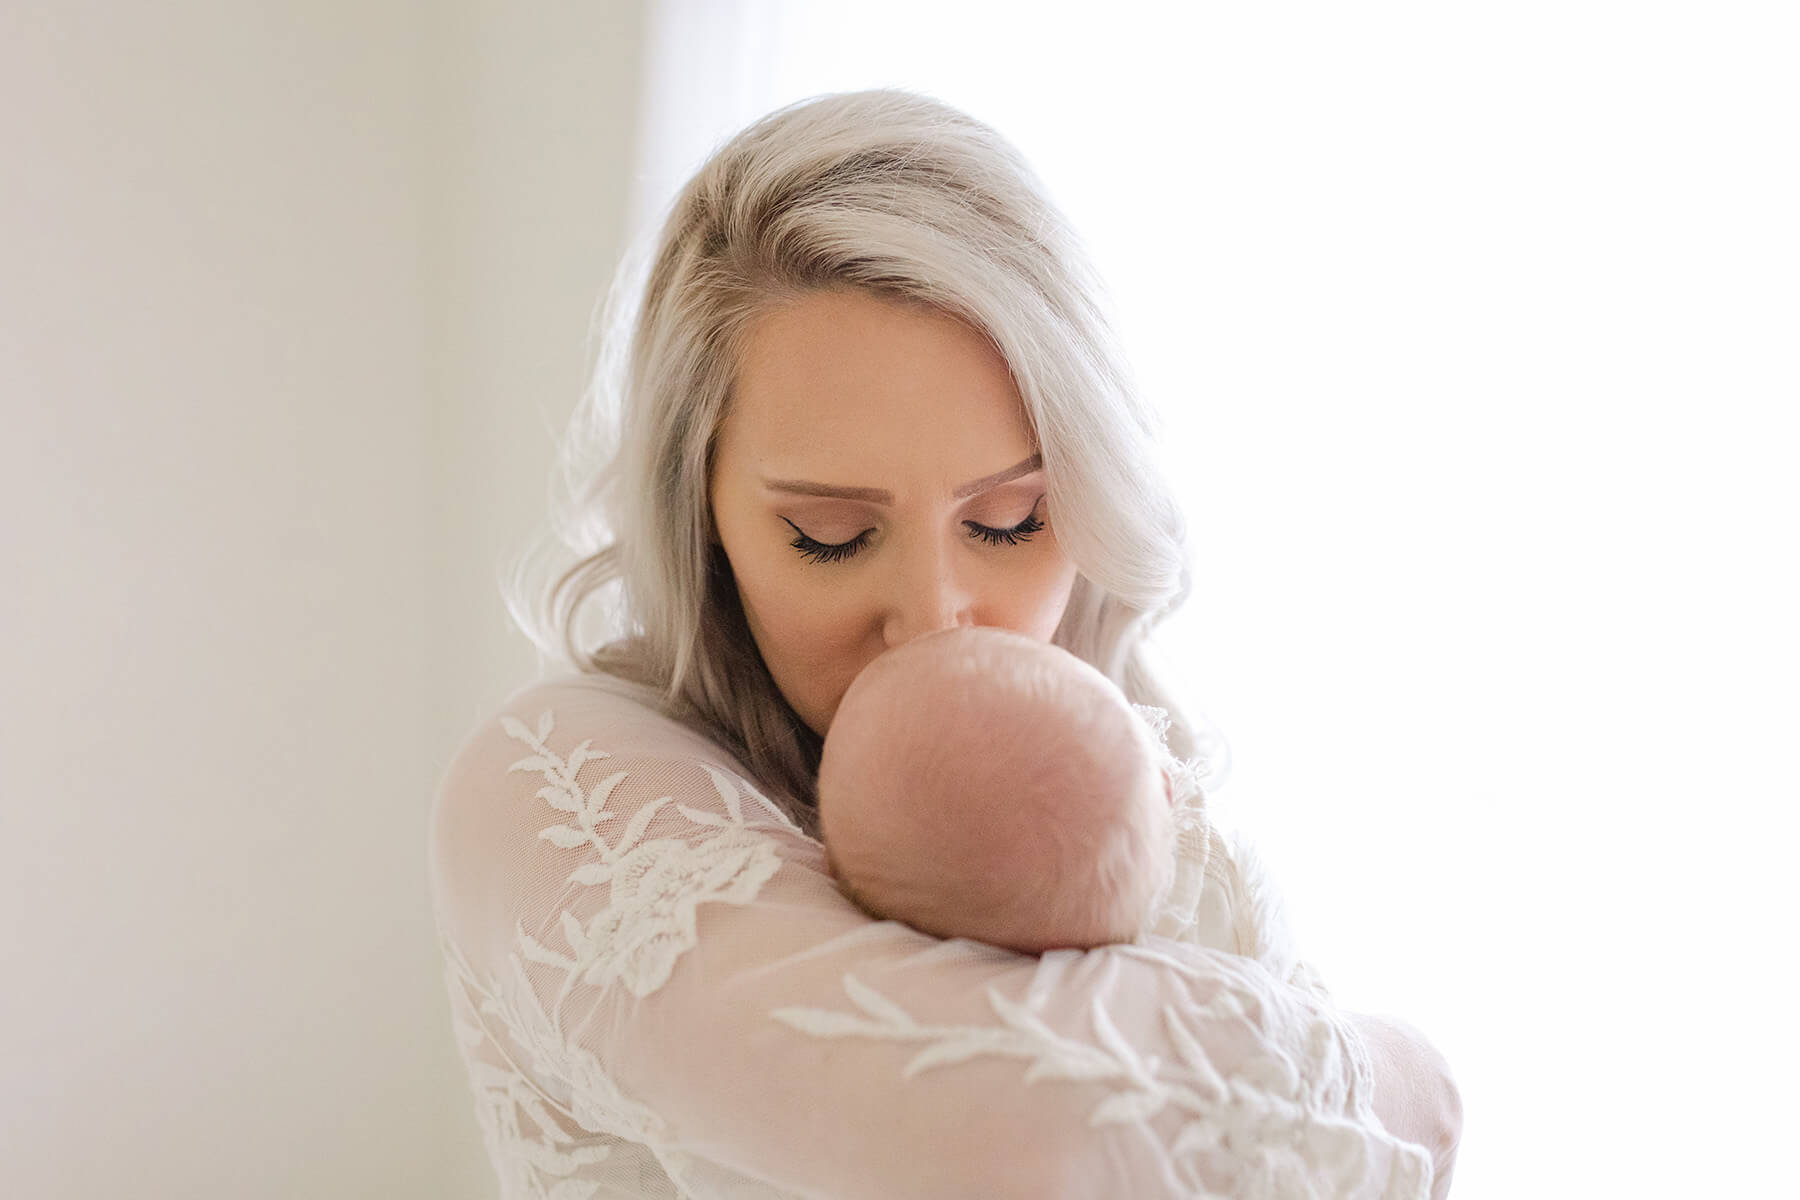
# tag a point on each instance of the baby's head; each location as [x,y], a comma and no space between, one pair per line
[979,783]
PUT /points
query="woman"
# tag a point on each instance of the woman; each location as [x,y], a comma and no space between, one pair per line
[867,396]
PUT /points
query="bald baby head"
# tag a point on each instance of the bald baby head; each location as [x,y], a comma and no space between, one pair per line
[982,784]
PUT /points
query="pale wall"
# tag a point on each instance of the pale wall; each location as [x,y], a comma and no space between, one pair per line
[292,300]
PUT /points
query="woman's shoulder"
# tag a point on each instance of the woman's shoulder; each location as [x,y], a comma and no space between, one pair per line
[617,716]
[600,744]
[568,722]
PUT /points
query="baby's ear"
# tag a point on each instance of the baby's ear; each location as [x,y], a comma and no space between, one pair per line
[1168,787]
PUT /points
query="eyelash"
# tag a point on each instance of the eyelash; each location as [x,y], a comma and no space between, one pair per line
[825,552]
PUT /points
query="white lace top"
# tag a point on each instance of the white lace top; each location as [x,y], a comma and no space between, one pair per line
[659,992]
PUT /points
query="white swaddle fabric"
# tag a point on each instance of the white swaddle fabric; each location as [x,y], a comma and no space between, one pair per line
[1220,893]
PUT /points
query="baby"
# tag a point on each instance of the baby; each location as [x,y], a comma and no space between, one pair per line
[978,783]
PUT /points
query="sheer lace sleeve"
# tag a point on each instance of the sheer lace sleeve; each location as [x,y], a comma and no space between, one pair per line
[659,991]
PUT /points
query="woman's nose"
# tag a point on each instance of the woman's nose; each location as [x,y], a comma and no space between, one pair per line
[930,595]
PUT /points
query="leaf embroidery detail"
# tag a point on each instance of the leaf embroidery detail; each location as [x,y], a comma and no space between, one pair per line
[1257,1113]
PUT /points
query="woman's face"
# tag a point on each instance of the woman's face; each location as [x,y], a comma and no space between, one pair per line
[876,480]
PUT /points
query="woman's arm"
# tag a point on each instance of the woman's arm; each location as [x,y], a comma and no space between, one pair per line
[670,965]
[1411,1090]
[1414,1094]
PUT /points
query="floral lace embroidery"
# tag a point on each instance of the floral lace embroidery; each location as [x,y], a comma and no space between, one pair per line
[1263,1119]
[648,921]
[635,939]
[527,1130]
[1260,1113]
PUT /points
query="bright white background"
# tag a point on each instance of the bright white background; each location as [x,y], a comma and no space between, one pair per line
[1474,331]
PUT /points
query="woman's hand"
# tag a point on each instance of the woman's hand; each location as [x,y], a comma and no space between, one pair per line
[1415,1098]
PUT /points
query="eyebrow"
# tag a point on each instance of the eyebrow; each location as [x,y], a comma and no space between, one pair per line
[801,487]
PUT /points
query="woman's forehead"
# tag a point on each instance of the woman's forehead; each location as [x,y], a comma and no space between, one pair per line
[848,380]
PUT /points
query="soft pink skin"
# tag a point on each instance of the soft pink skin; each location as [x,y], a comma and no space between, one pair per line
[981,784]
[848,389]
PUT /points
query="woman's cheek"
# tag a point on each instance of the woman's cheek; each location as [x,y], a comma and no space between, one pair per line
[811,648]
[1045,597]
[812,635]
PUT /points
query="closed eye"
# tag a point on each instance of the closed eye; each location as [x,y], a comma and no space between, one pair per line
[831,552]
[826,552]
[1018,533]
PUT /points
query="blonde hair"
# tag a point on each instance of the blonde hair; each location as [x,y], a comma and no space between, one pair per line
[907,198]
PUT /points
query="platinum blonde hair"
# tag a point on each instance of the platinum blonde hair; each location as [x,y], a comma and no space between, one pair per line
[910,199]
